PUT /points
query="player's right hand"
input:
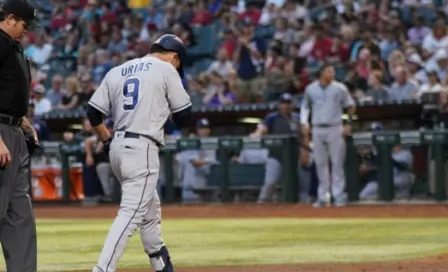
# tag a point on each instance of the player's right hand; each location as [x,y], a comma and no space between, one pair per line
[5,156]
[106,146]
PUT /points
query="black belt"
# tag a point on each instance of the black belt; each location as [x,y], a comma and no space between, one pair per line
[326,125]
[10,120]
[133,135]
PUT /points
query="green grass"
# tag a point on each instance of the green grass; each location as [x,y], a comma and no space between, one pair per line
[66,245]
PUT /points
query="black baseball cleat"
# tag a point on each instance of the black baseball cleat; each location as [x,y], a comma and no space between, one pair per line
[161,260]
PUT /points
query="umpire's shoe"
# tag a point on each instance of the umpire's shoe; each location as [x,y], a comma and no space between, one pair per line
[161,260]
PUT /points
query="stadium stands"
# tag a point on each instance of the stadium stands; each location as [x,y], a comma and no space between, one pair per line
[400,42]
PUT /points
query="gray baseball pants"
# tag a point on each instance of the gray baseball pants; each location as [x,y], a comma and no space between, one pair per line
[329,145]
[403,182]
[135,163]
[17,223]
[273,172]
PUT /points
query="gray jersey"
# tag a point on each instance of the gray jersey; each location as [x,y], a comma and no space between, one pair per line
[327,103]
[140,95]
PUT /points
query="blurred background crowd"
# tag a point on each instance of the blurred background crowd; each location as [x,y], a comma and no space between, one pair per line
[240,51]
[243,51]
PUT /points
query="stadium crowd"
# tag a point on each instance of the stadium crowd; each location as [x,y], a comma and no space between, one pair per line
[386,50]
[240,51]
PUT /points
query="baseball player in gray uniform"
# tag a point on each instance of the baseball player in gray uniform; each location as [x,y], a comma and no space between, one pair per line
[326,99]
[140,95]
[196,164]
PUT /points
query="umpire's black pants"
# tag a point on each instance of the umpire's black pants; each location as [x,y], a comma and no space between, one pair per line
[17,224]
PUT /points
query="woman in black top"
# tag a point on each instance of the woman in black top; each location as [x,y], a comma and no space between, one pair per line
[70,100]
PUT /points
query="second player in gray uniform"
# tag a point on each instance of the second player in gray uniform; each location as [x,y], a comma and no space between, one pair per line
[326,99]
[140,94]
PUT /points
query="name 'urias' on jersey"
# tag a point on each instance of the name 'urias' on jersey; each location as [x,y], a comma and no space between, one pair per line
[140,95]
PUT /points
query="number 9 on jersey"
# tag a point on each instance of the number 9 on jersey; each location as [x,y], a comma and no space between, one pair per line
[131,88]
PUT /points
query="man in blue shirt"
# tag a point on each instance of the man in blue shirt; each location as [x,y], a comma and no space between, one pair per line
[249,58]
[43,133]
[283,122]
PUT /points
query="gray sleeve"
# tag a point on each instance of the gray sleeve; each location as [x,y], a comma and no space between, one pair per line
[210,156]
[176,94]
[100,99]
[305,108]
[242,157]
[306,101]
[347,98]
[405,156]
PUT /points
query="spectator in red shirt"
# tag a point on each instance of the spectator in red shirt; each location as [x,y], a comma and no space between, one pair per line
[108,15]
[59,19]
[95,26]
[322,46]
[251,13]
[339,52]
[202,15]
[229,42]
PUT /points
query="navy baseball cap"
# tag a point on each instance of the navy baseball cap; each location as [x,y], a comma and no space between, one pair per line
[286,98]
[203,123]
[173,43]
[22,9]
[376,126]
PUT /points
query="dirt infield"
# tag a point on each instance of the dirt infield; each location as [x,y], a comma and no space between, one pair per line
[433,264]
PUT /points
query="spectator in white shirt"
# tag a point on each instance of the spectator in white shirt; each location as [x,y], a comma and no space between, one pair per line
[433,84]
[307,46]
[269,14]
[222,65]
[42,104]
[293,10]
[40,51]
[282,31]
[439,63]
[435,40]
[415,69]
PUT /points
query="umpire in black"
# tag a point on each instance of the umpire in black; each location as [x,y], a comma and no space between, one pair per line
[17,223]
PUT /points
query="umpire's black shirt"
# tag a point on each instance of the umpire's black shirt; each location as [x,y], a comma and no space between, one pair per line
[15,78]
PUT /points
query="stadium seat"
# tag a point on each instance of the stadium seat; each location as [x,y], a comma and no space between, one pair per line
[245,180]
[206,37]
[239,175]
[246,174]
[265,32]
[426,12]
[202,65]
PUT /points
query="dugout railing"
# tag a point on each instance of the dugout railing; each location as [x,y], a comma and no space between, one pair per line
[229,181]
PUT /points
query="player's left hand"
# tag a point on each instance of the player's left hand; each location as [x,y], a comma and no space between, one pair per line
[106,146]
[198,163]
[347,130]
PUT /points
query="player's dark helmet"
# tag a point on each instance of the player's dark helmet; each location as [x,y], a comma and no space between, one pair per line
[170,42]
